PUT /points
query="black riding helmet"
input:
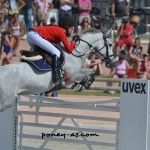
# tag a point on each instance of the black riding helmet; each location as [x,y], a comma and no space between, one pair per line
[66,22]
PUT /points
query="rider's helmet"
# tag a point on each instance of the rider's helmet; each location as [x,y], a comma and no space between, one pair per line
[66,22]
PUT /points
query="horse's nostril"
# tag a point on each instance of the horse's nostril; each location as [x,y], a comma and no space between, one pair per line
[110,45]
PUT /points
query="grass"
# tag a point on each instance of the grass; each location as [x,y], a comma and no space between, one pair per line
[87,93]
[143,37]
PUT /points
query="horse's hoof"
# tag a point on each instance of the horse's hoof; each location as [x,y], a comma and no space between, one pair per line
[78,88]
[73,85]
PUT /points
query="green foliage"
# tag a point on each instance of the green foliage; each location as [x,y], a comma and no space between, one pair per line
[87,93]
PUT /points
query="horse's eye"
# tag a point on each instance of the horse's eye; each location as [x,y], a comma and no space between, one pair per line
[110,45]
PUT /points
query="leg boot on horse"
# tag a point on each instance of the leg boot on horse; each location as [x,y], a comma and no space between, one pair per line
[57,73]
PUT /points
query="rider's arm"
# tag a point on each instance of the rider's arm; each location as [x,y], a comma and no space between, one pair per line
[68,46]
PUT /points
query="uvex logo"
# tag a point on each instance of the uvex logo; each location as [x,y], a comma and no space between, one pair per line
[128,87]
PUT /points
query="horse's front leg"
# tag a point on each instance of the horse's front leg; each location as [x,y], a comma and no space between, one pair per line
[85,78]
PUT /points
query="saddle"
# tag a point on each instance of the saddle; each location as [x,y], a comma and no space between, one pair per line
[42,60]
[39,54]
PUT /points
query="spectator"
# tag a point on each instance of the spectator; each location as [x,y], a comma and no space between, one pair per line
[1,17]
[7,43]
[15,6]
[93,62]
[16,28]
[119,9]
[28,14]
[85,7]
[136,51]
[84,25]
[143,69]
[97,24]
[43,7]
[126,34]
[120,70]
[5,7]
[65,8]
[53,21]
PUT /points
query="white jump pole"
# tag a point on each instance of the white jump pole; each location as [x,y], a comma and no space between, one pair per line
[134,128]
[7,129]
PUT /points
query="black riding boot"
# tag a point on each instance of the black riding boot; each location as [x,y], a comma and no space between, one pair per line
[56,73]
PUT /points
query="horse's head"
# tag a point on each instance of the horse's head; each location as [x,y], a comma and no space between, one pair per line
[99,43]
[103,47]
[96,42]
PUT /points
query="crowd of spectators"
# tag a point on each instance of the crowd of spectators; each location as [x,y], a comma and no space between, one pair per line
[35,12]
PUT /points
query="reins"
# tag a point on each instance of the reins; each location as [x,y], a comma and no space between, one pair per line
[105,58]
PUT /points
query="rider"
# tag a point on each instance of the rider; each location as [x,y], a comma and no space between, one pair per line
[44,36]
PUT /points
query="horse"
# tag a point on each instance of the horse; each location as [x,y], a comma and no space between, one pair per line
[22,78]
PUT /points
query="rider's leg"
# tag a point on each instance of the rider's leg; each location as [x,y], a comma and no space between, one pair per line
[35,39]
[57,72]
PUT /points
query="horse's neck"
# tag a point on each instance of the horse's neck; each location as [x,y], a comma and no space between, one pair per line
[91,39]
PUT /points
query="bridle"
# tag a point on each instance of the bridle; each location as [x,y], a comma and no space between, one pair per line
[106,58]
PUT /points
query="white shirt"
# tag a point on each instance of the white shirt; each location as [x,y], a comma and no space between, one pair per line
[66,7]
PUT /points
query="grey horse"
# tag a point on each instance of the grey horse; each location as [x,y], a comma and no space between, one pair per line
[22,78]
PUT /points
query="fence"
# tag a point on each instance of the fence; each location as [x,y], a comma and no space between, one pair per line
[87,125]
[108,87]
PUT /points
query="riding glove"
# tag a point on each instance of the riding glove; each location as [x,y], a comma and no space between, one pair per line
[76,38]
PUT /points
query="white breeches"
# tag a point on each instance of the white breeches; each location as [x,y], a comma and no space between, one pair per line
[34,39]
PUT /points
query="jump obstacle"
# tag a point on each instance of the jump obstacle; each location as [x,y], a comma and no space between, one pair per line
[34,124]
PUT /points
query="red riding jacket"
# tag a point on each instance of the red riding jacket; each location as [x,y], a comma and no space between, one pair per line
[55,34]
